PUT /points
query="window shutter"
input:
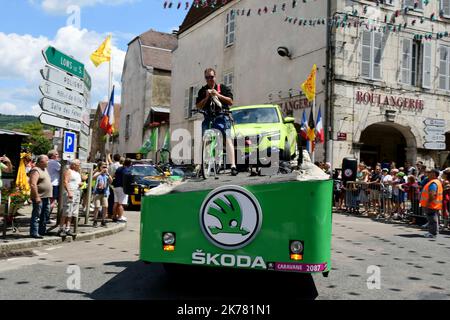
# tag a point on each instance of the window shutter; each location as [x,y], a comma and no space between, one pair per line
[406,61]
[445,7]
[409,3]
[366,54]
[377,52]
[426,66]
[186,104]
[443,67]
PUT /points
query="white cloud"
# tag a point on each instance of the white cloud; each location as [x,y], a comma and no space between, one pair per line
[21,59]
[7,108]
[60,6]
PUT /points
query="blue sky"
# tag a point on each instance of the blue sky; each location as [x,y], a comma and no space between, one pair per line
[27,26]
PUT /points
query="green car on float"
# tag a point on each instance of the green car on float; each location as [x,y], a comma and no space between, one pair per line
[263,128]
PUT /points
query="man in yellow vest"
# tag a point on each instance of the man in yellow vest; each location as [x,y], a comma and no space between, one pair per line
[431,201]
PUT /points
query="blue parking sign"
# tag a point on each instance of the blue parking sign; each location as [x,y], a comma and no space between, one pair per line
[69,142]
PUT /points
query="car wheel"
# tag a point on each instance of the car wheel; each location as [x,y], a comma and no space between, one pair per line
[286,153]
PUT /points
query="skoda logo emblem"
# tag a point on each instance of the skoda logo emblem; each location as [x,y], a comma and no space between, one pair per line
[348,173]
[230,217]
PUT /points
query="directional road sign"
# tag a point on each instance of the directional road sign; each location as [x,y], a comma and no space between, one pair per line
[434,130]
[435,138]
[82,154]
[51,120]
[87,80]
[61,109]
[85,116]
[63,79]
[435,145]
[57,92]
[70,142]
[64,62]
[85,129]
[84,141]
[435,122]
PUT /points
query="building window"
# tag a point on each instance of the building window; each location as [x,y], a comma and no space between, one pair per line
[427,66]
[230,28]
[228,80]
[411,62]
[190,98]
[372,49]
[444,68]
[413,4]
[445,8]
[127,127]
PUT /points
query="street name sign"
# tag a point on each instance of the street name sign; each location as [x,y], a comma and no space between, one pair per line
[64,62]
[52,120]
[61,109]
[85,116]
[57,92]
[434,138]
[435,122]
[435,145]
[434,130]
[63,79]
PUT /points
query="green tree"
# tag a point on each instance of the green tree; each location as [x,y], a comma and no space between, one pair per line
[39,143]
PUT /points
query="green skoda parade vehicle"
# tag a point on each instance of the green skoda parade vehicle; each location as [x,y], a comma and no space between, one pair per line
[263,128]
[271,223]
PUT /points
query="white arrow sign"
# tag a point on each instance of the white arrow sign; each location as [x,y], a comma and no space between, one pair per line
[434,130]
[435,146]
[57,92]
[435,138]
[84,141]
[61,109]
[435,122]
[51,120]
[64,79]
[85,117]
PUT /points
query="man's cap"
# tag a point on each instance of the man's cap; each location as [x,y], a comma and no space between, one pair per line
[385,169]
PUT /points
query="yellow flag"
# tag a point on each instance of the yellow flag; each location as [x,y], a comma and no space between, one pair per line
[103,53]
[309,86]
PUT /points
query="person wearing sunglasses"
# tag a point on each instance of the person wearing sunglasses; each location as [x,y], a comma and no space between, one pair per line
[215,100]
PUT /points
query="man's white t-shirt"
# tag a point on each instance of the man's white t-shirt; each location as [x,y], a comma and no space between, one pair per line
[113,168]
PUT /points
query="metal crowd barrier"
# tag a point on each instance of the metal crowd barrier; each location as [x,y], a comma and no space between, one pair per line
[377,199]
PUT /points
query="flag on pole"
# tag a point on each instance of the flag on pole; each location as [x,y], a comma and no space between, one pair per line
[310,142]
[152,142]
[103,53]
[309,86]
[304,127]
[320,134]
[107,122]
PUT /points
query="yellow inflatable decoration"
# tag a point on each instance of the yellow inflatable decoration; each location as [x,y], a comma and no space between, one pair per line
[22,178]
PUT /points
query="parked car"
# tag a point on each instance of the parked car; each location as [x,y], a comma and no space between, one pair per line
[143,176]
[263,127]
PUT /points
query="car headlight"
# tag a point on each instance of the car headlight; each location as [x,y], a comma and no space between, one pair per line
[272,135]
[296,247]
[169,238]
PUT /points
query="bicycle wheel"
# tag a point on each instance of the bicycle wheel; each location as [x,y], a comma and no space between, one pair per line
[208,157]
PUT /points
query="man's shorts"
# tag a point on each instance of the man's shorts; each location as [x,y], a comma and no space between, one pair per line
[100,201]
[120,196]
[71,208]
[221,123]
[55,192]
